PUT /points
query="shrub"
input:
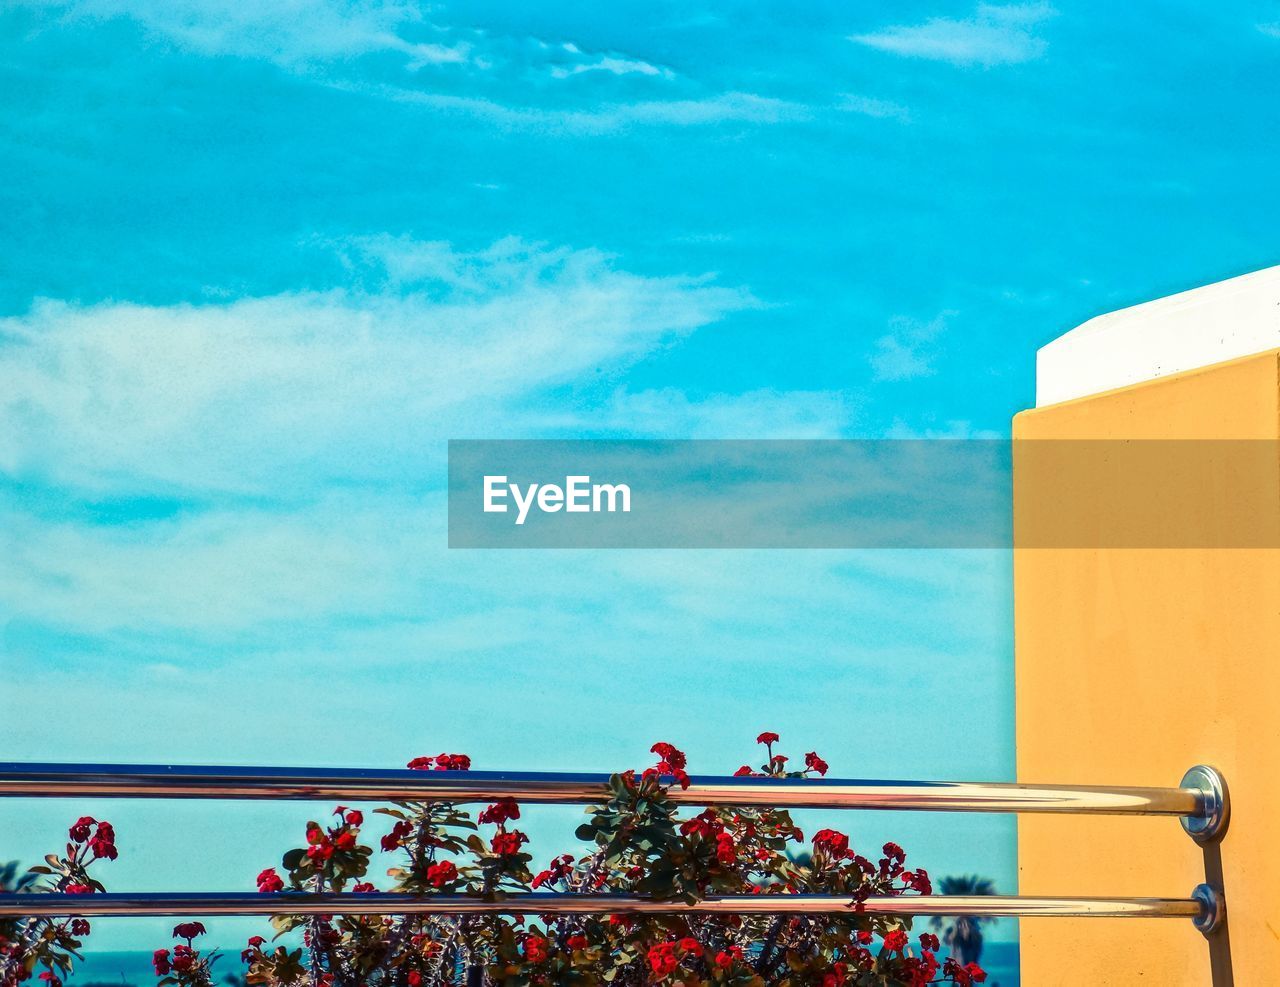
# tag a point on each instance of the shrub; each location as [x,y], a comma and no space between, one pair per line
[638,844]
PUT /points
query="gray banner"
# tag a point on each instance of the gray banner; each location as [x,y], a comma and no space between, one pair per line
[863,494]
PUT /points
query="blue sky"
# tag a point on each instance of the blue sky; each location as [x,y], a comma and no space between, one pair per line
[259,266]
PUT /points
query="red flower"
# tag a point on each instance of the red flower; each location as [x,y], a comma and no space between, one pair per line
[320,851]
[965,975]
[815,763]
[835,843]
[665,768]
[504,810]
[79,831]
[577,942]
[256,941]
[78,889]
[895,941]
[414,978]
[559,869]
[507,844]
[420,764]
[269,880]
[396,837]
[767,738]
[355,817]
[864,937]
[743,771]
[535,949]
[704,824]
[79,927]
[438,875]
[51,978]
[345,840]
[453,762]
[918,880]
[103,842]
[690,945]
[662,958]
[726,852]
[160,960]
[183,958]
[364,887]
[670,755]
[188,930]
[726,958]
[929,941]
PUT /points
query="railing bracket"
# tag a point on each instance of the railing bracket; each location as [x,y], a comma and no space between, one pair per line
[1210,824]
[1214,908]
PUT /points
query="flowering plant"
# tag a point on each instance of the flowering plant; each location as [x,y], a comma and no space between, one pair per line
[27,944]
[638,844]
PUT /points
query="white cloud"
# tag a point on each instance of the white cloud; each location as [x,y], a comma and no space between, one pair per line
[994,35]
[218,572]
[242,395]
[951,429]
[611,63]
[881,109]
[1271,30]
[729,107]
[290,33]
[360,574]
[907,351]
[381,49]
[761,414]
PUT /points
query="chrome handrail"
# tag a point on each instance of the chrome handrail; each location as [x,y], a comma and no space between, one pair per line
[541,903]
[1197,799]
[1200,801]
[311,903]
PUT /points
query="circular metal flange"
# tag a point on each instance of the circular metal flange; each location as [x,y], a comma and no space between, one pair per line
[1215,909]
[1210,825]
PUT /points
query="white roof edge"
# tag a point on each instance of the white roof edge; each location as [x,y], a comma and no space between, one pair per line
[1192,329]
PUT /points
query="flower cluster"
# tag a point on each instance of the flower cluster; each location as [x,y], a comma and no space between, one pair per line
[639,843]
[28,944]
[184,965]
[441,762]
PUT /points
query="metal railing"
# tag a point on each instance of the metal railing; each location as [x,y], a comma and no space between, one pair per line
[1200,801]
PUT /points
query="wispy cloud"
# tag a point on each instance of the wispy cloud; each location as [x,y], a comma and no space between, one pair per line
[1271,29]
[881,109]
[394,51]
[605,118]
[611,63]
[907,351]
[239,395]
[994,35]
[759,414]
[293,34]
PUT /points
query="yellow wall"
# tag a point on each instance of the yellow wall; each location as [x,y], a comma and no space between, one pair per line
[1133,665]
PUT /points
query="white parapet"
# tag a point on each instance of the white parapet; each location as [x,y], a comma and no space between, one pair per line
[1191,329]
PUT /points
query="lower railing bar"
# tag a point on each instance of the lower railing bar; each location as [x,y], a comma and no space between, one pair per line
[312,903]
[179,781]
